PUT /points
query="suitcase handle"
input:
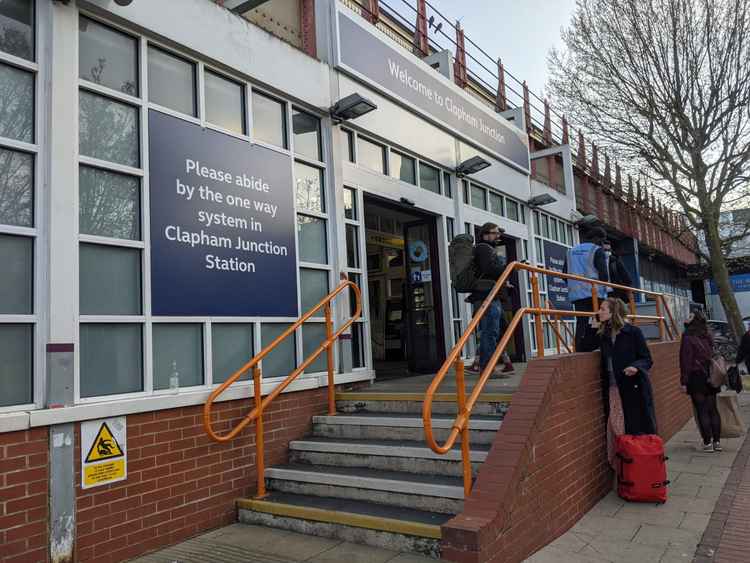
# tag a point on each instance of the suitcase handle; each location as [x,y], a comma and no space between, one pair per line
[624,459]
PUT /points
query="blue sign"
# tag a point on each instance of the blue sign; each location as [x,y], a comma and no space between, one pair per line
[740,283]
[222,224]
[557,287]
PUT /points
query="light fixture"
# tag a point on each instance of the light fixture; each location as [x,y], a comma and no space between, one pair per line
[541,199]
[471,166]
[351,107]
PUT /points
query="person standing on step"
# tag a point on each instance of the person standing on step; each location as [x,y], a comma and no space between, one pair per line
[589,260]
[696,351]
[625,363]
[617,272]
[489,266]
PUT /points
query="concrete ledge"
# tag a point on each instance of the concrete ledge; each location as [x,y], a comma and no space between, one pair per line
[439,397]
[365,448]
[403,421]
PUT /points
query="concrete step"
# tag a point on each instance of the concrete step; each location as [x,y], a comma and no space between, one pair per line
[406,426]
[489,404]
[387,455]
[399,529]
[431,493]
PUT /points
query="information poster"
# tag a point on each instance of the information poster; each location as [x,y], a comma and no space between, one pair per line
[557,287]
[104,452]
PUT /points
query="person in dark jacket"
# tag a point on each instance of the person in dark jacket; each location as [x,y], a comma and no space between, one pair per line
[696,351]
[626,361]
[743,352]
[489,267]
[617,272]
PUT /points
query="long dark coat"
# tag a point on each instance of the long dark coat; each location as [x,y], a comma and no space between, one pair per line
[636,393]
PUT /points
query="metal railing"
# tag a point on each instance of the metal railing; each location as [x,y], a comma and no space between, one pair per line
[262,403]
[667,326]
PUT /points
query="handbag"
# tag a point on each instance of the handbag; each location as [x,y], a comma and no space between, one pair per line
[717,374]
[732,425]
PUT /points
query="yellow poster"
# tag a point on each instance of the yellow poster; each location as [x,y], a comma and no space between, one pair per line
[104,456]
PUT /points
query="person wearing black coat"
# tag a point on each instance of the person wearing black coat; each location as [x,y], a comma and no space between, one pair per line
[626,361]
[743,352]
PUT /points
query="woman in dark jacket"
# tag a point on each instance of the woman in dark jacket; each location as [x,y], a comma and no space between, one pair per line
[743,352]
[626,360]
[696,350]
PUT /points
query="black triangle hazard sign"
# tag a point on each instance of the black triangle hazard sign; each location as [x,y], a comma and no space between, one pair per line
[105,446]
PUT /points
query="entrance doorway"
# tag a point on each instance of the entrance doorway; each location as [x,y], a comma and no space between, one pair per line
[403,273]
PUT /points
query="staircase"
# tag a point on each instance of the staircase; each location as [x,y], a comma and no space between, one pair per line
[367,476]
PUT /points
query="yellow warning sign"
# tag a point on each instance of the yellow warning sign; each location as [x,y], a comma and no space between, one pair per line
[103,447]
[103,472]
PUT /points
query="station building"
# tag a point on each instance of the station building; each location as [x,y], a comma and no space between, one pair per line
[181,181]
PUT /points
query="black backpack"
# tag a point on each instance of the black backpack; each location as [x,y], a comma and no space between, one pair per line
[734,380]
[461,263]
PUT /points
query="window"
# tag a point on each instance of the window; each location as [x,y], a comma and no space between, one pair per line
[16,188]
[178,352]
[465,191]
[553,229]
[108,130]
[115,350]
[312,239]
[350,204]
[450,228]
[348,138]
[16,369]
[447,186]
[511,208]
[478,197]
[17,281]
[17,28]
[281,360]
[107,57]
[110,204]
[232,347]
[309,191]
[371,155]
[429,178]
[171,81]
[496,204]
[403,168]
[269,120]
[109,280]
[352,247]
[225,103]
[17,108]
[306,130]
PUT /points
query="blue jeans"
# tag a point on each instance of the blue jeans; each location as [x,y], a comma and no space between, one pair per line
[489,332]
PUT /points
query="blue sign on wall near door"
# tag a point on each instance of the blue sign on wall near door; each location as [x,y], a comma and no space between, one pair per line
[222,224]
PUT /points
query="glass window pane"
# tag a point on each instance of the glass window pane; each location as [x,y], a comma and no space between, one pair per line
[281,361]
[358,348]
[403,168]
[313,335]
[447,187]
[111,359]
[370,155]
[225,103]
[17,279]
[231,348]
[269,120]
[553,229]
[107,57]
[17,28]
[178,348]
[110,280]
[309,181]
[539,251]
[313,288]
[16,188]
[16,368]
[429,178]
[356,279]
[478,197]
[545,226]
[306,130]
[171,81]
[537,226]
[348,138]
[352,246]
[17,107]
[466,191]
[570,235]
[450,227]
[511,209]
[311,233]
[110,204]
[108,129]
[496,204]
[350,204]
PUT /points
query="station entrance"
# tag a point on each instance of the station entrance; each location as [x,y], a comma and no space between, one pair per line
[406,306]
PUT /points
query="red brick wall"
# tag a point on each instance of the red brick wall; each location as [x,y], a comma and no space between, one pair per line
[179,482]
[548,465]
[24,458]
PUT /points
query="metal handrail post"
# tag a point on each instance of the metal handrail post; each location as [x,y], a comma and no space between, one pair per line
[631,302]
[329,352]
[465,452]
[260,462]
[536,299]
[661,319]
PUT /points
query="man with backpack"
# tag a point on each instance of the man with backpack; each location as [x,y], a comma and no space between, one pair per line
[475,269]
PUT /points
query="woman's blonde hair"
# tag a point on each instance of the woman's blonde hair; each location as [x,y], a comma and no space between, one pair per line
[618,319]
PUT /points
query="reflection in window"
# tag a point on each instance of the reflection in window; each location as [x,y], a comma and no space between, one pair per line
[108,129]
[269,120]
[370,155]
[313,335]
[16,281]
[478,197]
[429,178]
[348,138]
[306,130]
[309,187]
[447,185]
[17,28]
[511,207]
[403,167]
[312,239]
[171,81]
[16,188]
[16,369]
[352,246]
[110,204]
[313,288]
[115,350]
[496,204]
[225,103]
[16,104]
[282,359]
[350,204]
[231,348]
[178,347]
[109,280]
[107,57]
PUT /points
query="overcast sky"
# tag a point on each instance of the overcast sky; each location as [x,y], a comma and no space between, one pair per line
[520,32]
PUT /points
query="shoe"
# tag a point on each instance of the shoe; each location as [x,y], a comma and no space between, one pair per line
[473,368]
[717,447]
[708,447]
[509,368]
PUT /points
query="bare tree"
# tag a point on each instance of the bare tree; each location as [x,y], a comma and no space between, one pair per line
[666,85]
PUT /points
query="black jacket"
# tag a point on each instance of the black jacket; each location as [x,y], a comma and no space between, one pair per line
[636,393]
[743,352]
[618,273]
[489,267]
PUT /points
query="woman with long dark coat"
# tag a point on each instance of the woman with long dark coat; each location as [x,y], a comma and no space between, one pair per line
[626,361]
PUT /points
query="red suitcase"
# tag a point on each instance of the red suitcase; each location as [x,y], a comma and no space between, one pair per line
[643,472]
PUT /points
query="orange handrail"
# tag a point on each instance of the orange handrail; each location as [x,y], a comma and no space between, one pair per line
[461,423]
[260,404]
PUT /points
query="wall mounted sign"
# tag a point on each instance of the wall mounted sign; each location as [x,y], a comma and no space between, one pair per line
[222,224]
[104,452]
[557,288]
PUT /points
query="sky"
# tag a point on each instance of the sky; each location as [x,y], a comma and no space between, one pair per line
[520,32]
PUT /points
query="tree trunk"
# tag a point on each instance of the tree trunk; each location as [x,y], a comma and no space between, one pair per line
[721,277]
